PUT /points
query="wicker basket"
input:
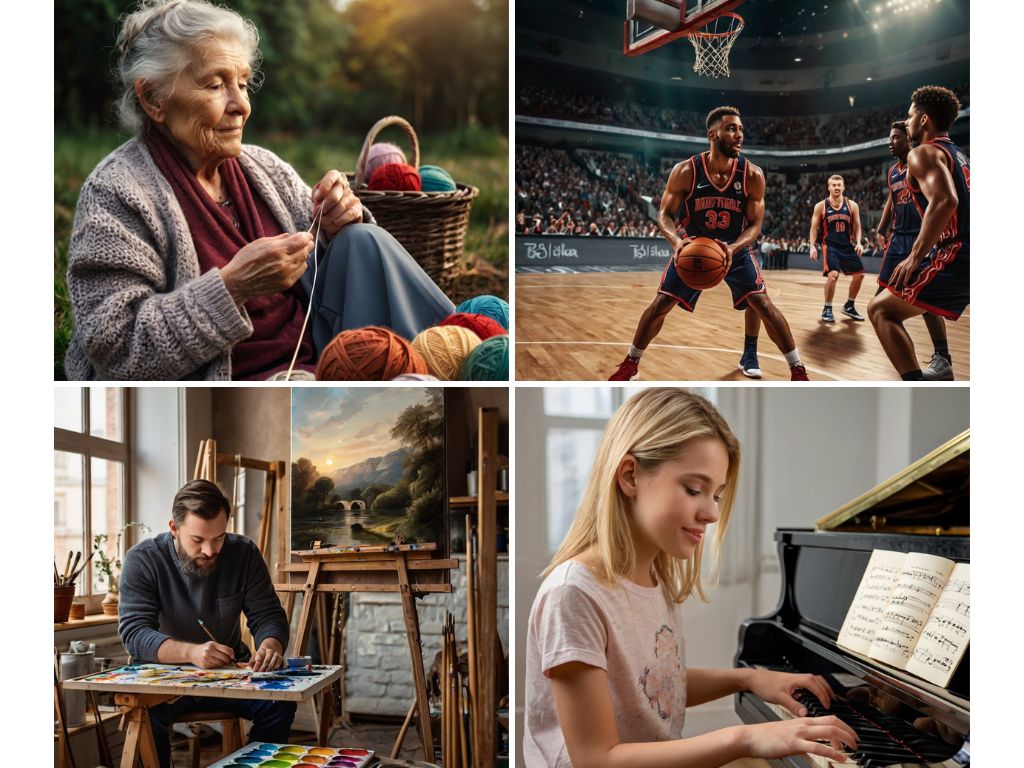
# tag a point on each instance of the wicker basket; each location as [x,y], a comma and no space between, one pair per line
[430,225]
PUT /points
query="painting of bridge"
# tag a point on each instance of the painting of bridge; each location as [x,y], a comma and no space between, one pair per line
[367,465]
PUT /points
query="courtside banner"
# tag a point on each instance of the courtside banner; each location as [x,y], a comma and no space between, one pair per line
[560,251]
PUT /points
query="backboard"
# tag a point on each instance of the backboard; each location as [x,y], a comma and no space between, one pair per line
[652,23]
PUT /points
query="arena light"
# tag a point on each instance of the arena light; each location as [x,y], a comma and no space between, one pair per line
[797,59]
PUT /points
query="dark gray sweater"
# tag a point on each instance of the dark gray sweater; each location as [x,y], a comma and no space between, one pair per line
[159,602]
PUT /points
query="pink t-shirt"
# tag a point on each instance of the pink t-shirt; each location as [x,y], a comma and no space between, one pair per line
[632,632]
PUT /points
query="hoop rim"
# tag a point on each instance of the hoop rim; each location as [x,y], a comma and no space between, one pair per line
[728,33]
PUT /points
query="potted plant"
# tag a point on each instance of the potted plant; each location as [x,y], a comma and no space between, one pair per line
[110,570]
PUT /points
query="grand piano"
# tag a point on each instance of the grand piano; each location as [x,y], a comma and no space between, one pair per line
[901,720]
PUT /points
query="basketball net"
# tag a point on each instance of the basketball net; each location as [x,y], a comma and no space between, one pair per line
[713,43]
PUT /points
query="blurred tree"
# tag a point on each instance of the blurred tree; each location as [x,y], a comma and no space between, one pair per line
[443,64]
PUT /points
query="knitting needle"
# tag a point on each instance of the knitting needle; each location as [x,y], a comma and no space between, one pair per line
[209,634]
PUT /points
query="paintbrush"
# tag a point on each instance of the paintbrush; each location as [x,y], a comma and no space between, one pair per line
[67,568]
[56,575]
[74,565]
[76,573]
[209,634]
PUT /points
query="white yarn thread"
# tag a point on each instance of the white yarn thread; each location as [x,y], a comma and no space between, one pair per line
[316,238]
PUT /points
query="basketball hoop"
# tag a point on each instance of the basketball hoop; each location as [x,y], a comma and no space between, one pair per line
[713,43]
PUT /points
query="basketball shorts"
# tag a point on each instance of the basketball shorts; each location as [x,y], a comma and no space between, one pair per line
[896,251]
[942,284]
[743,279]
[840,260]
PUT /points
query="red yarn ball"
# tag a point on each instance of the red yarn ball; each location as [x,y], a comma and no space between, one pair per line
[397,177]
[482,325]
[368,354]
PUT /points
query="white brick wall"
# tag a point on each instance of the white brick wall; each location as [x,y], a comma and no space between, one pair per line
[378,674]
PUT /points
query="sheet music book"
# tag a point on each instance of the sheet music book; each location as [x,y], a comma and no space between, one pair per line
[911,611]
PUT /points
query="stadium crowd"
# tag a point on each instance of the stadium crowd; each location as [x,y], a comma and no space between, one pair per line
[581,192]
[786,131]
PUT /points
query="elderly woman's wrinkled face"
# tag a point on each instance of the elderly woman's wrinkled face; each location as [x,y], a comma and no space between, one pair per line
[209,103]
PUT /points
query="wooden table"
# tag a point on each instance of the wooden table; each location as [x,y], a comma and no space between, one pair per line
[135,697]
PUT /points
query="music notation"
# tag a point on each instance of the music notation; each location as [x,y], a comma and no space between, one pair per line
[923,576]
[941,640]
[964,609]
[912,600]
[926,657]
[903,619]
[898,646]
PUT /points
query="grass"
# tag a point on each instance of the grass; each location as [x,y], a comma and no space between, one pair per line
[472,155]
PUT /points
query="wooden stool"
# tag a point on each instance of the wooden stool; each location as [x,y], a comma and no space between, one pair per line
[230,723]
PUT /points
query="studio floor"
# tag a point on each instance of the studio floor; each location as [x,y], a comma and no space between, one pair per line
[579,326]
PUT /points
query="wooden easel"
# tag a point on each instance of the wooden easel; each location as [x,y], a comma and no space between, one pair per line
[408,571]
[206,469]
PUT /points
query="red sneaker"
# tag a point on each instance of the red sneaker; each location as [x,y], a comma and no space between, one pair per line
[628,370]
[798,373]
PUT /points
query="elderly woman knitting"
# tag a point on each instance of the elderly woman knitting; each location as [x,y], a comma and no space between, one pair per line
[190,250]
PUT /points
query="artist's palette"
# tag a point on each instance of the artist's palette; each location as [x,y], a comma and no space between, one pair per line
[263,755]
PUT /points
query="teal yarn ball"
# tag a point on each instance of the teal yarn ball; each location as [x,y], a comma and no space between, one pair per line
[436,179]
[487,362]
[492,306]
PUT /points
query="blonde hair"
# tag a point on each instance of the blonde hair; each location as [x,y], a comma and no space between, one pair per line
[652,427]
[158,40]
[836,176]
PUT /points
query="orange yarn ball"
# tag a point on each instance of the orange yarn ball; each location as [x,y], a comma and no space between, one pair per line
[368,354]
[397,177]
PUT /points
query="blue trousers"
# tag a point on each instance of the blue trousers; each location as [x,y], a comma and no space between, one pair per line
[271,720]
[366,277]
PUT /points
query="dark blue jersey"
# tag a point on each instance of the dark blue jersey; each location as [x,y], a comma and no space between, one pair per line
[906,217]
[716,212]
[838,225]
[958,228]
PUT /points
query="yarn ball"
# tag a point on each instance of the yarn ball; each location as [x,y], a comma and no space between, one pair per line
[445,349]
[380,154]
[436,179]
[398,177]
[368,354]
[492,306]
[415,377]
[297,375]
[482,325]
[488,362]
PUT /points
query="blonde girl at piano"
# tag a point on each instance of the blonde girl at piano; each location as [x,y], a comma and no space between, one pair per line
[606,676]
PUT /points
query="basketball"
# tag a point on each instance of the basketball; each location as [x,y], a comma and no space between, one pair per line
[702,263]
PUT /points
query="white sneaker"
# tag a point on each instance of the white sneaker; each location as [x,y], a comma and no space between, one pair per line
[939,369]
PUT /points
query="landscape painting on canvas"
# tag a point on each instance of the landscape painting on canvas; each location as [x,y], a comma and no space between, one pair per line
[367,466]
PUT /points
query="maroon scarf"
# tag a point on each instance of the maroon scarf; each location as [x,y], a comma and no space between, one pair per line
[277,318]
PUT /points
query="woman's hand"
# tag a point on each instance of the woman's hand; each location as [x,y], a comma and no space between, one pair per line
[778,688]
[799,737]
[339,203]
[268,265]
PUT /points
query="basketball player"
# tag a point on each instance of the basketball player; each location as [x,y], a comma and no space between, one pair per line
[724,196]
[935,276]
[901,212]
[841,246]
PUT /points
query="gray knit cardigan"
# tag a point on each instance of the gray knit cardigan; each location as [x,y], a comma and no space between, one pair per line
[141,309]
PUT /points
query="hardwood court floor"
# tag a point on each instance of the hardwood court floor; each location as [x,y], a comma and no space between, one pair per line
[579,327]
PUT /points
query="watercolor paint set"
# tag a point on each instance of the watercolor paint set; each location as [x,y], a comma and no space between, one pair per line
[263,755]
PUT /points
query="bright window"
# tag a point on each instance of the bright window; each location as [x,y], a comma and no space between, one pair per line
[90,469]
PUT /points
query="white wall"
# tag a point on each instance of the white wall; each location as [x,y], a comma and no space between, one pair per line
[805,453]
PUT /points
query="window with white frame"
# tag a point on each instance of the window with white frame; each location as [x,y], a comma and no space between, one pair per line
[574,418]
[90,478]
